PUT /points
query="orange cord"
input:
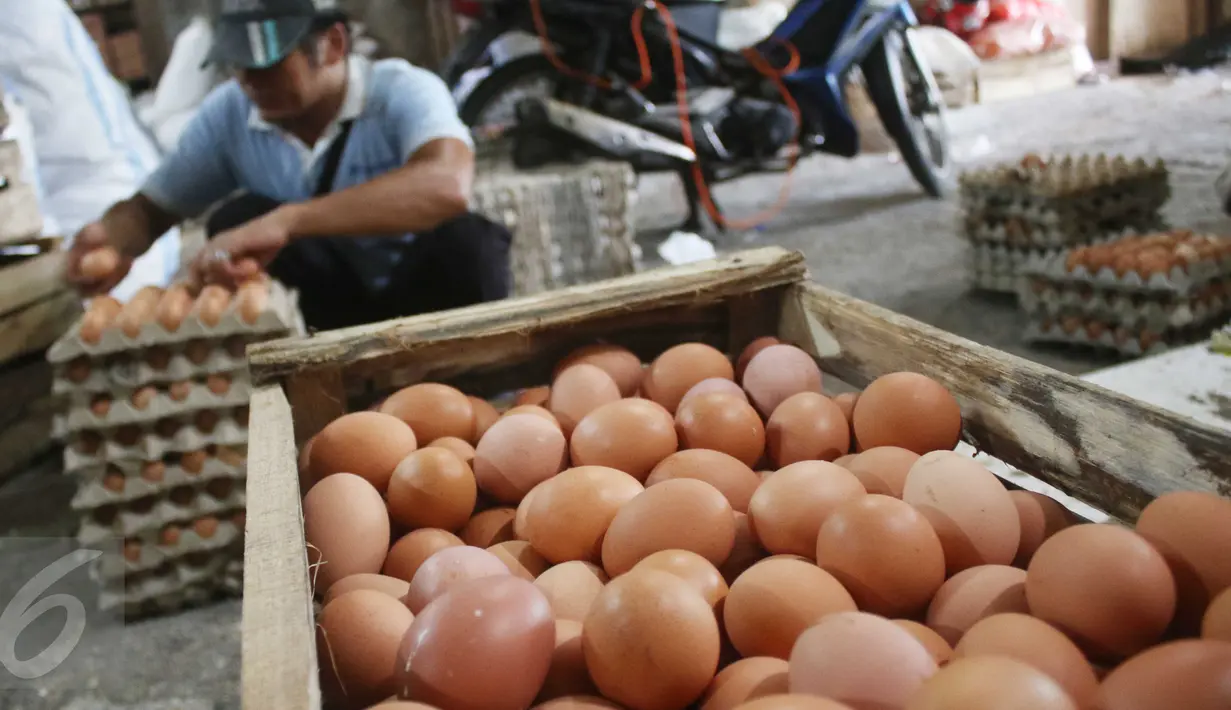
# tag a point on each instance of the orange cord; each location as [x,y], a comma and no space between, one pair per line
[754,57]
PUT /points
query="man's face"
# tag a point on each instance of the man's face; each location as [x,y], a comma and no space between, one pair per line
[285,90]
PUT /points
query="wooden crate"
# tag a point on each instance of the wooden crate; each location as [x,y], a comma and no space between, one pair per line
[1108,450]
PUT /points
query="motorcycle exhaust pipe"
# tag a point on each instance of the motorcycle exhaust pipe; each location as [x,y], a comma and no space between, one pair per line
[612,136]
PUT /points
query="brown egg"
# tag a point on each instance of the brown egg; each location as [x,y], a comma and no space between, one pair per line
[535,410]
[432,488]
[728,474]
[746,552]
[489,527]
[796,701]
[346,528]
[752,350]
[412,549]
[859,659]
[883,469]
[568,674]
[790,506]
[744,680]
[571,588]
[975,594]
[631,435]
[715,385]
[621,364]
[1190,674]
[98,317]
[807,426]
[432,411]
[1038,645]
[990,683]
[721,422]
[682,514]
[777,373]
[846,461]
[484,416]
[535,396]
[357,639]
[1041,517]
[384,584]
[1216,626]
[569,514]
[516,454]
[651,642]
[1193,531]
[99,263]
[846,402]
[140,309]
[700,574]
[969,508]
[680,368]
[499,630]
[447,568]
[579,390]
[885,554]
[521,559]
[937,647]
[578,702]
[909,410]
[367,444]
[771,604]
[1105,586]
[458,447]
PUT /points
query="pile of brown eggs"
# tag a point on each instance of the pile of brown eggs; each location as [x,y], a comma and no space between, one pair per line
[701,534]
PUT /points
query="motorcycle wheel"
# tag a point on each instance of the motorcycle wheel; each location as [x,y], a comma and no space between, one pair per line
[531,75]
[910,106]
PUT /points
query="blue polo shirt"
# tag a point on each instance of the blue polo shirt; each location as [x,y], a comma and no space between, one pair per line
[396,108]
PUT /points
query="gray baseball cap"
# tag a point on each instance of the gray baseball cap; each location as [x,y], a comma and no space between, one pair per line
[257,34]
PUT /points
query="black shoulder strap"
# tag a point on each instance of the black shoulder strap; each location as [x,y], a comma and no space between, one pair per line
[330,169]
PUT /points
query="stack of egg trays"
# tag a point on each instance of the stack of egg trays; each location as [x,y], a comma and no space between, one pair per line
[1121,305]
[156,434]
[1016,213]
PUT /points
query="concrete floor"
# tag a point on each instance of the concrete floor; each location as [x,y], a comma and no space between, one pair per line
[866,230]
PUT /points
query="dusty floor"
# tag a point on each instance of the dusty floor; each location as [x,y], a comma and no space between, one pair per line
[866,230]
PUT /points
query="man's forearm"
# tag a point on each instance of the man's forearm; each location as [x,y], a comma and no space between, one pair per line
[135,223]
[414,198]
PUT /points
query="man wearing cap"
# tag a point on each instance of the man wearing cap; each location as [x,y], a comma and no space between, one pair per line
[347,179]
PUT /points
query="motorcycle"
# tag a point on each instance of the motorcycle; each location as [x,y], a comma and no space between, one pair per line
[619,79]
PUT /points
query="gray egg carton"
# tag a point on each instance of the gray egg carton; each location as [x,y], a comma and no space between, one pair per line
[1123,309]
[993,281]
[145,519]
[1132,342]
[152,555]
[1178,281]
[151,446]
[130,370]
[1021,234]
[280,316]
[122,411]
[93,493]
[179,586]
[1064,178]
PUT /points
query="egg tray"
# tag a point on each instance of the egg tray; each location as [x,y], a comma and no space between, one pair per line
[1092,333]
[141,555]
[132,369]
[149,444]
[1019,233]
[993,281]
[122,411]
[178,586]
[145,519]
[1064,177]
[1179,280]
[96,484]
[1111,204]
[1122,308]
[281,316]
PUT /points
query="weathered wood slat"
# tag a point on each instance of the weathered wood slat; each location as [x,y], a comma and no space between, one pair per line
[1109,450]
[316,398]
[37,326]
[26,440]
[279,670]
[369,349]
[30,281]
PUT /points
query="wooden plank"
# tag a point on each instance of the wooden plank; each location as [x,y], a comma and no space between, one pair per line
[369,349]
[316,398]
[31,280]
[37,326]
[278,670]
[1190,381]
[19,215]
[1099,446]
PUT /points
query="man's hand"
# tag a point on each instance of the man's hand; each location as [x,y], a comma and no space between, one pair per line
[87,265]
[234,256]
